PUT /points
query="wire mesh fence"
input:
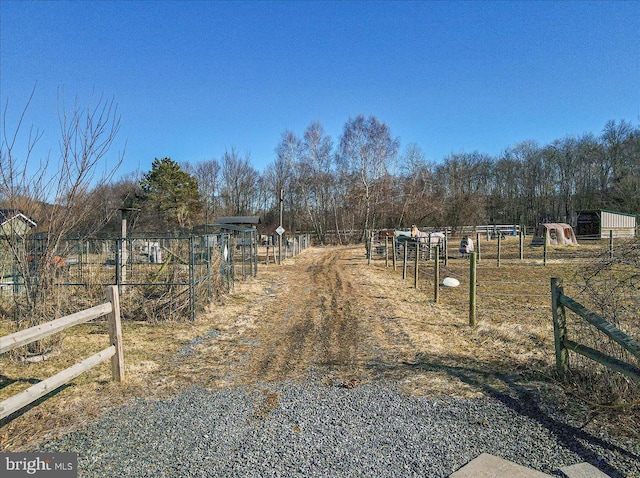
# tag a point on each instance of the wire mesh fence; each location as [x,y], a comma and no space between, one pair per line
[160,278]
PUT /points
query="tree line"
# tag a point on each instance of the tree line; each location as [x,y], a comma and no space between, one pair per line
[338,189]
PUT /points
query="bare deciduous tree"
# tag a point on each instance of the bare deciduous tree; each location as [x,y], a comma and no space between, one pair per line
[56,192]
[207,173]
[315,176]
[239,184]
[366,151]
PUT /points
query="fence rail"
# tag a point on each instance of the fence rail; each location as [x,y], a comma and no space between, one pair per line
[38,332]
[562,343]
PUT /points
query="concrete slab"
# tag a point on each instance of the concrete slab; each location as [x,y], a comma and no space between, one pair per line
[489,466]
[583,470]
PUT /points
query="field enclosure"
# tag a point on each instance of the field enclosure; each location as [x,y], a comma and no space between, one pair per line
[513,298]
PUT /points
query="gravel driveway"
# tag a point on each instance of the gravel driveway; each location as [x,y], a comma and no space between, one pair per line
[303,429]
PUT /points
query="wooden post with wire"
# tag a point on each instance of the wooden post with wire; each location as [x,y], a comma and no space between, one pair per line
[521,238]
[404,263]
[436,276]
[559,326]
[415,268]
[386,251]
[446,247]
[610,243]
[393,257]
[472,289]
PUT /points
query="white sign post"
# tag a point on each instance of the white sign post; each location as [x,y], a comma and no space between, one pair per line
[280,231]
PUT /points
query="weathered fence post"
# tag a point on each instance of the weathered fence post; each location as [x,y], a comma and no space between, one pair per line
[229,264]
[559,326]
[521,238]
[404,263]
[544,252]
[472,289]
[610,243]
[386,251]
[192,278]
[415,269]
[244,256]
[499,244]
[209,288]
[118,263]
[436,276]
[478,246]
[446,247]
[115,334]
[255,254]
[393,260]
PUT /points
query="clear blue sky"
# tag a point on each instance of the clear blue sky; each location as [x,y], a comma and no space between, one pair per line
[193,78]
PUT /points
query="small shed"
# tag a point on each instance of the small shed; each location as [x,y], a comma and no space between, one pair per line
[598,224]
[14,223]
[554,233]
[238,242]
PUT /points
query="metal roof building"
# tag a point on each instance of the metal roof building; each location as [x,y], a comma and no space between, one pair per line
[597,224]
[239,220]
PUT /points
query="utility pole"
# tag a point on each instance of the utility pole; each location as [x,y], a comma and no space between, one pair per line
[281,200]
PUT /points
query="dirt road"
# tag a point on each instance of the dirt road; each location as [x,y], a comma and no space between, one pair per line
[326,315]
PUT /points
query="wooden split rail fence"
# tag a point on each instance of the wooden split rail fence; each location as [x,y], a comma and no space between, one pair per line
[38,332]
[562,343]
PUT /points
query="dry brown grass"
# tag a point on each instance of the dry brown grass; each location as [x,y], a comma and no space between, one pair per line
[324,315]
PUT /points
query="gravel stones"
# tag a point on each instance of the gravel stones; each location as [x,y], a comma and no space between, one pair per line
[306,429]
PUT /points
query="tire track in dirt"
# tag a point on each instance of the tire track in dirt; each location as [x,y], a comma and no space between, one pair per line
[312,326]
[326,315]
